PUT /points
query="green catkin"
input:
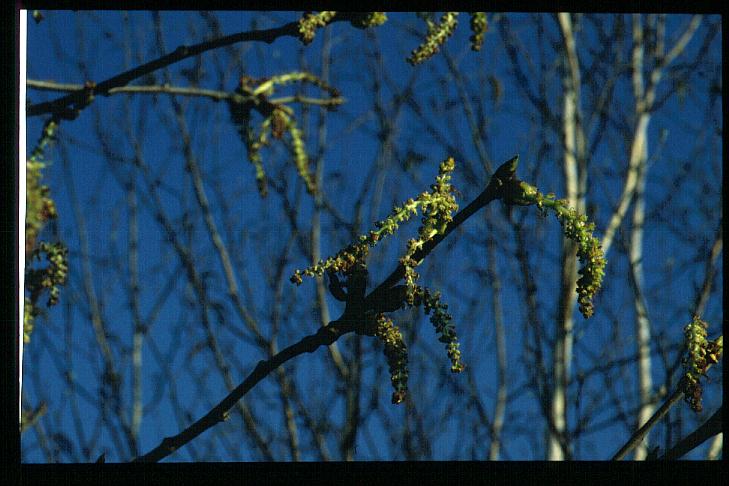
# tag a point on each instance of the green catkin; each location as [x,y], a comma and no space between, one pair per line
[396,354]
[310,22]
[575,227]
[479,25]
[435,38]
[700,354]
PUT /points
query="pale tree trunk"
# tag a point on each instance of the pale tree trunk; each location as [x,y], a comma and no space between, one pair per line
[500,407]
[644,103]
[644,99]
[633,189]
[575,182]
[642,324]
[638,157]
[715,447]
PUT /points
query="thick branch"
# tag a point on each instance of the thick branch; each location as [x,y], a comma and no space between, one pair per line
[675,397]
[643,431]
[708,429]
[350,321]
[324,337]
[504,172]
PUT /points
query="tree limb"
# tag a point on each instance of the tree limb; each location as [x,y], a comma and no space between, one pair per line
[78,98]
[351,320]
[675,397]
[708,429]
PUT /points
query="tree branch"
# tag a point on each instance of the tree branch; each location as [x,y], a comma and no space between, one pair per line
[78,98]
[675,397]
[503,173]
[708,429]
[186,91]
[349,321]
[643,431]
[324,337]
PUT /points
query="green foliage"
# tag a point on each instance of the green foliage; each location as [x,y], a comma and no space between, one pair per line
[49,277]
[395,348]
[301,160]
[479,26]
[396,354]
[442,321]
[437,34]
[575,227]
[278,119]
[29,314]
[267,86]
[369,19]
[700,354]
[45,279]
[310,22]
[436,207]
[40,208]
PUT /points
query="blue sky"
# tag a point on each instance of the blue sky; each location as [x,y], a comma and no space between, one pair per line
[683,202]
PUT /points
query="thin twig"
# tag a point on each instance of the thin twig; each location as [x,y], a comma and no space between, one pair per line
[702,296]
[185,91]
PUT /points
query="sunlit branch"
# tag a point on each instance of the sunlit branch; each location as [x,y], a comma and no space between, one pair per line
[638,436]
[78,98]
[186,91]
[327,335]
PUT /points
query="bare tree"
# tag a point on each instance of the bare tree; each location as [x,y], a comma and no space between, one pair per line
[192,182]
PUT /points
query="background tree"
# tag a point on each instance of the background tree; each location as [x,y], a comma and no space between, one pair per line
[184,218]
